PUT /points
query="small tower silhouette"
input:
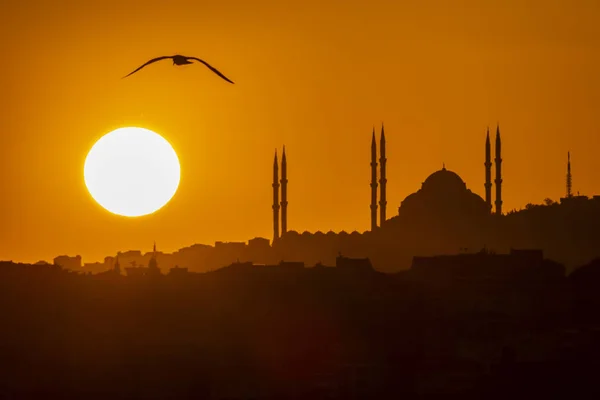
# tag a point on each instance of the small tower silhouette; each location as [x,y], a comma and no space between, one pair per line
[275,198]
[569,177]
[382,179]
[117,266]
[498,180]
[284,202]
[153,263]
[488,171]
[373,182]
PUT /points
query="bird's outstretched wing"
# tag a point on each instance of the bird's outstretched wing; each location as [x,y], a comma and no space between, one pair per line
[213,69]
[149,62]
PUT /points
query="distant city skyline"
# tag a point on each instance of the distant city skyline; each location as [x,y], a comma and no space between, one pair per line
[378,194]
[444,185]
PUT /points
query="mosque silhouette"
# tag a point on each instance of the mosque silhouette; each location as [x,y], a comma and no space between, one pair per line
[443,217]
[442,184]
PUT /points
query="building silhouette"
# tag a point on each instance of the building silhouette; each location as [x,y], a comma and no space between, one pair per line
[382,179]
[68,262]
[153,263]
[498,180]
[442,200]
[276,205]
[438,186]
[488,171]
[139,270]
[284,202]
[117,266]
[373,182]
[515,266]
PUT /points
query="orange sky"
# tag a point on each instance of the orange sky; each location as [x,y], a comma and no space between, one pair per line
[314,75]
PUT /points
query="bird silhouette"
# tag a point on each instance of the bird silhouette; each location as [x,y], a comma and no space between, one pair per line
[181,60]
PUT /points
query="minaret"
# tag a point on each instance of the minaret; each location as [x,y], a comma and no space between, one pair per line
[284,202]
[373,182]
[153,264]
[488,171]
[382,179]
[498,180]
[569,177]
[275,199]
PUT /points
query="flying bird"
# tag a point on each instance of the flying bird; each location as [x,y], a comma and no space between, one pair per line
[181,60]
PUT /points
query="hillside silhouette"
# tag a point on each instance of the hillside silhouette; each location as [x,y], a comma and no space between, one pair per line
[479,325]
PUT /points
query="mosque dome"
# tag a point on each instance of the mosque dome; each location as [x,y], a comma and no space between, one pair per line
[444,194]
[444,180]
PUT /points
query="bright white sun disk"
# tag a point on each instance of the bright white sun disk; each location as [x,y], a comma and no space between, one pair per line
[132,172]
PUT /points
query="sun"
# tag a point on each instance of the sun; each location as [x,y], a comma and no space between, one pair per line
[132,172]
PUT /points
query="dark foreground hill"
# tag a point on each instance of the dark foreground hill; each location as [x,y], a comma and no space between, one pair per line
[294,333]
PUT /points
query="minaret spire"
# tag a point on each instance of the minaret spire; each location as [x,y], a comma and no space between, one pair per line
[153,264]
[488,171]
[569,177]
[498,180]
[382,179]
[275,198]
[284,202]
[373,182]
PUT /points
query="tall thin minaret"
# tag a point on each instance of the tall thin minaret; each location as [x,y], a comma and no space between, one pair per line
[488,171]
[382,179]
[275,198]
[569,177]
[373,182]
[498,180]
[284,202]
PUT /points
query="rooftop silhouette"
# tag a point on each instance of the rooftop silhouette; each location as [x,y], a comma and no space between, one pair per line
[473,325]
